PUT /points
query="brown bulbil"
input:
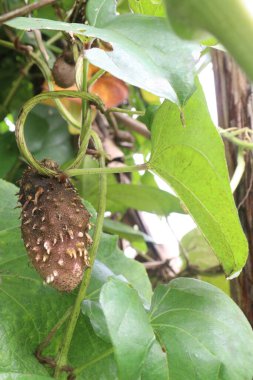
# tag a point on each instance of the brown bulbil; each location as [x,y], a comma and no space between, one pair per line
[54,233]
[64,70]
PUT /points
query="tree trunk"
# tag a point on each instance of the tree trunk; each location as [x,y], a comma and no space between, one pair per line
[235,109]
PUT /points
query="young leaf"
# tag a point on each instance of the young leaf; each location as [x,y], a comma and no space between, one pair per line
[205,334]
[144,52]
[128,325]
[192,160]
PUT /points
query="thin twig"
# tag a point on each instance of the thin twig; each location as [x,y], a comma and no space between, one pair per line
[133,124]
[24,10]
[106,170]
[49,337]
[43,50]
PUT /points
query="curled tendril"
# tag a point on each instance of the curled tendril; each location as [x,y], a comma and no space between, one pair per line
[95,100]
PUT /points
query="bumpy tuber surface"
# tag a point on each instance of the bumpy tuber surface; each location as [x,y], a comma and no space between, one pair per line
[54,225]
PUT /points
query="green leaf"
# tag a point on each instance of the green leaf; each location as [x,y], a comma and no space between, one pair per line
[156,364]
[95,313]
[140,197]
[28,309]
[148,7]
[11,69]
[159,62]
[144,198]
[205,334]
[128,325]
[134,272]
[198,251]
[99,12]
[8,202]
[192,160]
[191,17]
[201,256]
[136,237]
[8,152]
[47,135]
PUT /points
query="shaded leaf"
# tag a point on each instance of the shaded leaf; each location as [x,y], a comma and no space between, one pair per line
[201,256]
[192,161]
[136,237]
[140,197]
[133,271]
[8,152]
[198,251]
[47,135]
[196,323]
[95,313]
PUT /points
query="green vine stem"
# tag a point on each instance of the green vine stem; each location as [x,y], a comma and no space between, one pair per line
[95,77]
[63,354]
[106,170]
[84,142]
[29,106]
[126,111]
[85,89]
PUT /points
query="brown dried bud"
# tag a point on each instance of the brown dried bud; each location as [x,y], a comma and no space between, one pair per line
[54,227]
[64,70]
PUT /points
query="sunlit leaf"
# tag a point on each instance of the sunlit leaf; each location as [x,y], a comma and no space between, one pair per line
[192,160]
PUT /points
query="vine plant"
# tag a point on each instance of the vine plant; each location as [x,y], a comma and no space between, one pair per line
[115,326]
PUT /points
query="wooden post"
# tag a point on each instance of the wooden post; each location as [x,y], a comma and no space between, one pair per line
[234,95]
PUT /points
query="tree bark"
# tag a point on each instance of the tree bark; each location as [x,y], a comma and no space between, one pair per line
[235,109]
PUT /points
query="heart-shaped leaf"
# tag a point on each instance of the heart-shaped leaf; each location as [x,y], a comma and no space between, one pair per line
[192,160]
[205,334]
